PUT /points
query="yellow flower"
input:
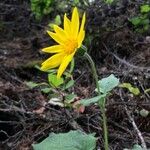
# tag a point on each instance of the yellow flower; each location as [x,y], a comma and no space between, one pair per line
[69,40]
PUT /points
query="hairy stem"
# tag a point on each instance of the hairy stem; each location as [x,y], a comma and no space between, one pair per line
[93,70]
[101,107]
[105,128]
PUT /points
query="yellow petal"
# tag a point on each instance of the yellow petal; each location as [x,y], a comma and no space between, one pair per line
[53,61]
[81,38]
[82,23]
[67,25]
[60,32]
[53,49]
[64,65]
[75,23]
[81,34]
[56,37]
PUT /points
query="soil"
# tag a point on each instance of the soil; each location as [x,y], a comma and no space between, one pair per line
[26,117]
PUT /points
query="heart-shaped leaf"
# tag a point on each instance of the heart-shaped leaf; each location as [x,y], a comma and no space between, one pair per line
[108,83]
[73,140]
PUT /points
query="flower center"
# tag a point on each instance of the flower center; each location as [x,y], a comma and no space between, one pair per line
[71,46]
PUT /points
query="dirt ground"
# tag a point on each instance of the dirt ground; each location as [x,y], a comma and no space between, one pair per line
[26,117]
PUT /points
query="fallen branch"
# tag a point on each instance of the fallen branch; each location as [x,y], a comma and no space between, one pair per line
[123,61]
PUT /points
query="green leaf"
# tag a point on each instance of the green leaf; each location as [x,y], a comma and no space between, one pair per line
[32,85]
[57,20]
[144,113]
[69,84]
[135,147]
[70,98]
[132,89]
[46,90]
[88,102]
[145,8]
[73,140]
[52,79]
[76,2]
[108,83]
[71,66]
[109,1]
[136,21]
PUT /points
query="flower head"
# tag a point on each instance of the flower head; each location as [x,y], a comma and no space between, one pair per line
[69,40]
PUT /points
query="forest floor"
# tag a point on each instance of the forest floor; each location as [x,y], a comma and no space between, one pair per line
[26,117]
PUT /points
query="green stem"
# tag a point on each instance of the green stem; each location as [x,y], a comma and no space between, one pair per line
[105,128]
[71,66]
[93,70]
[102,107]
